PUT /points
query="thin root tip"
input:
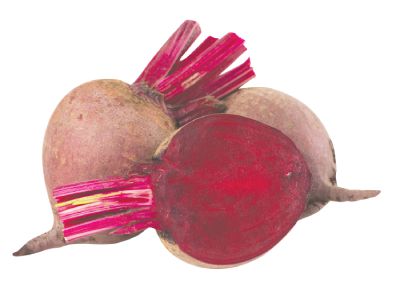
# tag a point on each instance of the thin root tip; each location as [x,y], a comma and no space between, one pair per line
[342,194]
[48,240]
[373,193]
[25,250]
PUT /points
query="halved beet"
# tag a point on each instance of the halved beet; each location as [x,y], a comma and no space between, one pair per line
[223,189]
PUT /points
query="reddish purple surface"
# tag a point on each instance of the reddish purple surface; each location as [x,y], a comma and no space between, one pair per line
[230,188]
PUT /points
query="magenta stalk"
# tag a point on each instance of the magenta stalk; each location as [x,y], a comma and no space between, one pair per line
[119,206]
[190,88]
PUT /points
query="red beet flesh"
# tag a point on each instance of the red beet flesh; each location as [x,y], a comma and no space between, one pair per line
[225,190]
[233,188]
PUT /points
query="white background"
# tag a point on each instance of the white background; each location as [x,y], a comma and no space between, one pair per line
[341,59]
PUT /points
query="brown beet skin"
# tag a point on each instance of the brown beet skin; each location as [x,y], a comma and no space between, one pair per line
[100,129]
[303,127]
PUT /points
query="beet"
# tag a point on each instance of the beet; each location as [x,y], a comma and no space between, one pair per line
[303,127]
[223,190]
[102,128]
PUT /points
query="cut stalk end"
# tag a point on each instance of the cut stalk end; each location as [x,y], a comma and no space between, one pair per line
[115,206]
[197,77]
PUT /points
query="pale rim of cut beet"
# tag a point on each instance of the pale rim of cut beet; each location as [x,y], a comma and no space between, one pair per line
[225,189]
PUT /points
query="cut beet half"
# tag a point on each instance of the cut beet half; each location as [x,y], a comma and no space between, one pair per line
[225,189]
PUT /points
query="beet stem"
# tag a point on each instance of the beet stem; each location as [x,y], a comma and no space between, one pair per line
[207,102]
[206,44]
[118,205]
[210,64]
[232,80]
[176,84]
[170,53]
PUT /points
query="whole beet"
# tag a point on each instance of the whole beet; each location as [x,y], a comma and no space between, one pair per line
[104,127]
[100,129]
[303,127]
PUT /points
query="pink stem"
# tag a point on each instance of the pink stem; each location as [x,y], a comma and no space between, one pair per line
[206,44]
[115,204]
[134,228]
[206,103]
[67,213]
[92,227]
[232,80]
[67,192]
[170,53]
[175,83]
[212,62]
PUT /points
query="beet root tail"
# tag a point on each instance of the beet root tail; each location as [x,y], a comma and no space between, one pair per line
[338,194]
[341,194]
[48,240]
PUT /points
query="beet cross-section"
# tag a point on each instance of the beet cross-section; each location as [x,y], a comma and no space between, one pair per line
[225,189]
